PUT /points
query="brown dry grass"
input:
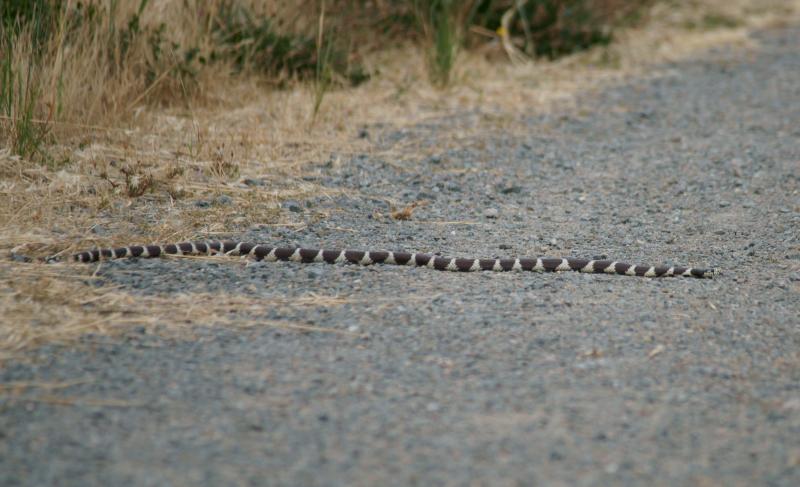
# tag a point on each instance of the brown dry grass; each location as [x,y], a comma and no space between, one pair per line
[135,171]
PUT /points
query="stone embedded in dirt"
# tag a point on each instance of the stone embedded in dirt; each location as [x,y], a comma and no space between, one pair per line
[253,182]
[511,189]
[292,206]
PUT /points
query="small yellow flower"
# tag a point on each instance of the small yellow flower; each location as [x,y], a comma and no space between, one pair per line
[502,32]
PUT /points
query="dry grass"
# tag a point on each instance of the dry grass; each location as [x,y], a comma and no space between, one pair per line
[122,171]
[56,303]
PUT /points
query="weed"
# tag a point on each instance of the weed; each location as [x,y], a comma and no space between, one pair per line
[19,100]
[713,20]
[223,164]
[323,73]
[553,28]
[439,22]
[252,43]
[39,17]
[137,182]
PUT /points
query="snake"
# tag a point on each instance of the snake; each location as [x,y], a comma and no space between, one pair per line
[268,253]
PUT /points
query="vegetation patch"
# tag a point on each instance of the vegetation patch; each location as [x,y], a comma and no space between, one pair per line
[137,122]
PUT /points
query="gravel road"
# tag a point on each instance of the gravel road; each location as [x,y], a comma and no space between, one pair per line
[483,378]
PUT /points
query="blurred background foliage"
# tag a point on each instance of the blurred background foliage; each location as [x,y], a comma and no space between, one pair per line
[88,59]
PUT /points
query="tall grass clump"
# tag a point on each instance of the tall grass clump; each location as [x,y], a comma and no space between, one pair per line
[253,43]
[26,26]
[535,28]
[440,24]
[323,71]
[69,64]
[20,100]
[66,65]
[554,28]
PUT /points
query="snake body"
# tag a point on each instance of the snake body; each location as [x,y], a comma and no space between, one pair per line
[361,257]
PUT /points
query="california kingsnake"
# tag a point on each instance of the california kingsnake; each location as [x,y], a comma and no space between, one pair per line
[298,254]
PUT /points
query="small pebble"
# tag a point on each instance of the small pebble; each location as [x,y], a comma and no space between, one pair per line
[253,182]
[511,189]
[491,212]
[292,206]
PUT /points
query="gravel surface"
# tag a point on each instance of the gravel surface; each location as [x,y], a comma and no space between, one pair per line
[482,378]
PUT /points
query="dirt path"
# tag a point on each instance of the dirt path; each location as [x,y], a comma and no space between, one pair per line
[400,376]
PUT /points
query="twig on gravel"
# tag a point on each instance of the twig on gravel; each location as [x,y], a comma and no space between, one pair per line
[456,222]
[301,327]
[21,386]
[407,212]
[655,351]
[91,402]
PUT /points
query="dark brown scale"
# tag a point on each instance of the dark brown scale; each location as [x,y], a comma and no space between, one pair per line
[283,253]
[577,264]
[551,264]
[260,252]
[228,246]
[507,264]
[440,263]
[107,253]
[378,256]
[464,265]
[621,267]
[402,258]
[136,250]
[661,270]
[422,259]
[699,272]
[153,250]
[245,248]
[680,270]
[185,247]
[641,270]
[171,249]
[202,248]
[600,266]
[308,255]
[486,264]
[353,256]
[527,264]
[330,256]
